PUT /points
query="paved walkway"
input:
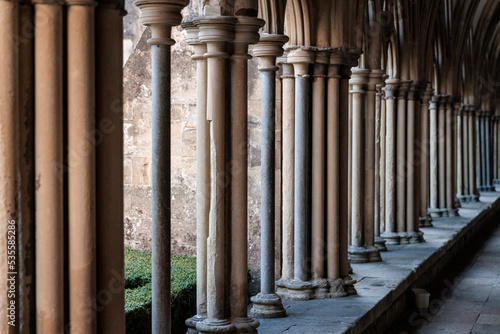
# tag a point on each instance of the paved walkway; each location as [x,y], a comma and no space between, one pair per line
[469,303]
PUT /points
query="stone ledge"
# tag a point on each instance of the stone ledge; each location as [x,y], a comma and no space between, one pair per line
[383,287]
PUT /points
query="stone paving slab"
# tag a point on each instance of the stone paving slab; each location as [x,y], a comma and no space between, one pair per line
[380,283]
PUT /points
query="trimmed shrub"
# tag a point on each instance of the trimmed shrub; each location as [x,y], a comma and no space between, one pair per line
[138,291]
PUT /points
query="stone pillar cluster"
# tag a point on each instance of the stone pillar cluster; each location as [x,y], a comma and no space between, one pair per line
[62,175]
[405,148]
[495,120]
[314,112]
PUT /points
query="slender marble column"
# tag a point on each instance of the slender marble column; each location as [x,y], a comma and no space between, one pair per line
[465,149]
[442,153]
[109,169]
[288,168]
[379,241]
[390,233]
[318,165]
[496,148]
[216,32]
[49,167]
[460,156]
[301,58]
[267,304]
[161,17]
[472,143]
[450,158]
[425,218]
[370,150]
[202,174]
[9,95]
[357,251]
[433,159]
[401,161]
[481,149]
[412,171]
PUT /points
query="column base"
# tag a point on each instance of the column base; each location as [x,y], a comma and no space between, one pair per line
[437,213]
[480,188]
[215,326]
[380,244]
[245,325]
[463,199]
[496,182]
[317,289]
[373,254]
[426,221]
[192,322]
[489,188]
[453,212]
[474,198]
[348,284]
[416,237]
[404,238]
[391,238]
[358,254]
[349,268]
[267,306]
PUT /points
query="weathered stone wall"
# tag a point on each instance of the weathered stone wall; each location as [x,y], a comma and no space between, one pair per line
[137,159]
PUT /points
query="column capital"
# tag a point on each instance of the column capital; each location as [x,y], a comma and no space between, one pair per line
[287,67]
[359,80]
[375,77]
[269,47]
[391,88]
[416,90]
[161,16]
[404,87]
[246,30]
[427,94]
[80,3]
[301,58]
[216,31]
[192,38]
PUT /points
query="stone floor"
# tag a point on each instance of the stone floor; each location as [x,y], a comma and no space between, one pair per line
[469,301]
[379,284]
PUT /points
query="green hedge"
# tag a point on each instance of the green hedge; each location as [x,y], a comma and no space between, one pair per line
[138,291]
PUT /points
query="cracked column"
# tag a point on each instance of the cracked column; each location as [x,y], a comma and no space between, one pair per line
[245,33]
[161,17]
[288,106]
[215,32]
[424,216]
[390,233]
[401,161]
[202,174]
[413,183]
[450,158]
[267,304]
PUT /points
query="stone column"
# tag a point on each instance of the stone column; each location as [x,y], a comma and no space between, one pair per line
[161,17]
[425,218]
[496,148]
[357,251]
[202,174]
[442,154]
[245,33]
[267,304]
[472,147]
[481,152]
[371,161]
[380,161]
[390,233]
[215,32]
[333,169]
[413,184]
[301,58]
[9,215]
[288,104]
[109,168]
[450,158]
[489,186]
[318,166]
[465,150]
[401,161]
[460,155]
[49,167]
[433,159]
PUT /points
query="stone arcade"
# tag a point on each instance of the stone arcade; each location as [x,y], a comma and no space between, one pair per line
[388,120]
